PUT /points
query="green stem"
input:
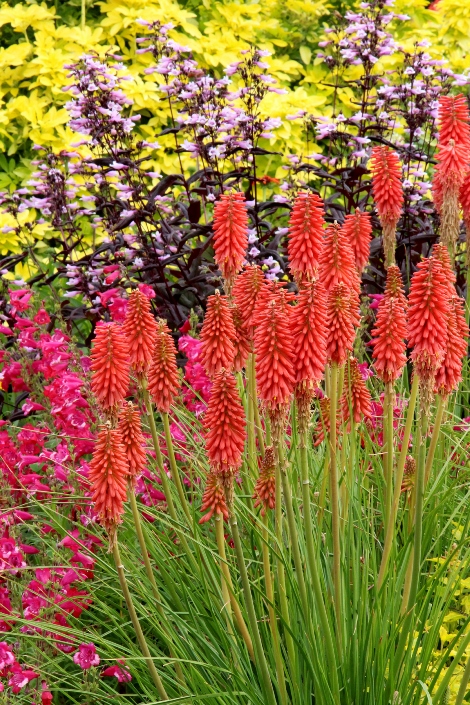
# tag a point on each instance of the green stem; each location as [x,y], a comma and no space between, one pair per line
[136,624]
[335,510]
[174,468]
[388,474]
[260,657]
[390,533]
[415,556]
[294,539]
[313,567]
[441,405]
[230,601]
[151,577]
[257,419]
[272,615]
[350,465]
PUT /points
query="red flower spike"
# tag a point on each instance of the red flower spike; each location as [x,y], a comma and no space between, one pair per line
[340,331]
[108,477]
[305,236]
[242,342]
[452,166]
[247,288]
[213,499]
[225,421]
[357,230]
[356,399]
[110,365]
[386,184]
[388,343]
[464,197]
[275,375]
[133,440]
[453,120]
[139,329]
[427,321]
[163,377]
[337,262]
[388,195]
[265,488]
[308,325]
[217,335]
[230,235]
[449,374]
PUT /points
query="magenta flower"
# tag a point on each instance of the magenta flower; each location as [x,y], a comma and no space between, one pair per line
[7,657]
[120,672]
[86,656]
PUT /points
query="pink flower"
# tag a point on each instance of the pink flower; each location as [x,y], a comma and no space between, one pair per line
[21,677]
[365,371]
[42,317]
[120,672]
[86,656]
[147,290]
[19,299]
[7,658]
[376,299]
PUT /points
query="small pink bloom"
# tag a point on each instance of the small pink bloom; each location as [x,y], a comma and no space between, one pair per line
[42,317]
[86,656]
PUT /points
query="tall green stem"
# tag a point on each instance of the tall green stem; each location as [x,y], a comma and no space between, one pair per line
[136,624]
[259,651]
[151,577]
[441,405]
[174,468]
[334,496]
[250,420]
[398,480]
[415,556]
[388,474]
[272,614]
[313,567]
[257,419]
[230,601]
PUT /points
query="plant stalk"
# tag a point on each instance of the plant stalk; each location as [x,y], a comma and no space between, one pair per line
[260,657]
[230,601]
[441,405]
[390,533]
[174,468]
[388,404]
[335,509]
[136,624]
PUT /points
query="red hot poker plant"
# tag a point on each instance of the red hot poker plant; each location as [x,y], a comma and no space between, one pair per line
[388,343]
[265,488]
[340,332]
[230,235]
[225,423]
[132,440]
[108,477]
[337,262]
[163,377]
[246,291]
[218,335]
[388,194]
[357,230]
[453,120]
[110,366]
[308,324]
[305,236]
[139,329]
[449,374]
[356,399]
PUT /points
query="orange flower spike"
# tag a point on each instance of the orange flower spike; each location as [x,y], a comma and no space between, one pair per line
[308,325]
[213,499]
[356,399]
[133,440]
[464,197]
[265,488]
[248,286]
[357,230]
[453,120]
[339,325]
[108,477]
[322,428]
[242,342]
[110,365]
[139,329]
[337,262]
[230,235]
[388,195]
[217,335]
[388,343]
[163,377]
[449,374]
[225,423]
[427,322]
[305,236]
[275,374]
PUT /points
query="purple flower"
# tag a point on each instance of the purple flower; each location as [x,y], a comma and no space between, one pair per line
[86,656]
